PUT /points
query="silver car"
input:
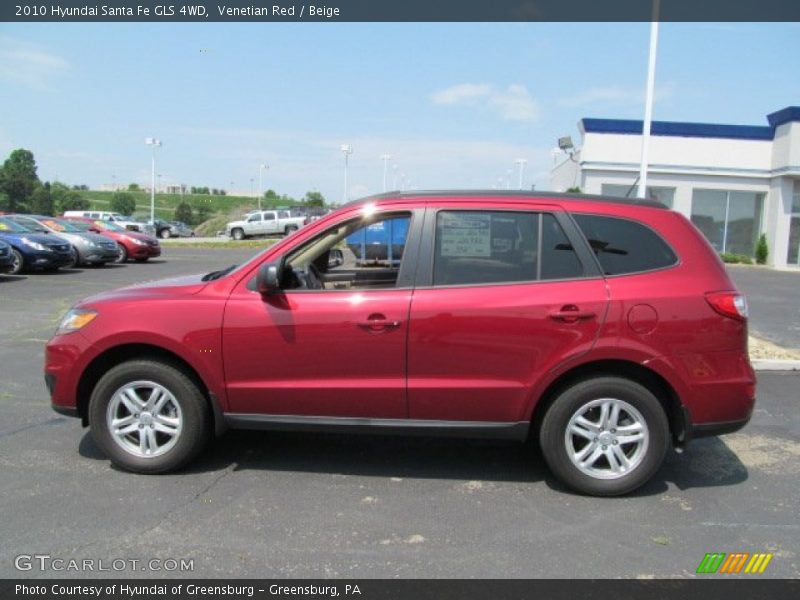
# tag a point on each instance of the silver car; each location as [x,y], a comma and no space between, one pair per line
[88,248]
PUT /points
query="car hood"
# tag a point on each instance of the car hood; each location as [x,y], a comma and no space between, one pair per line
[39,238]
[185,285]
[236,223]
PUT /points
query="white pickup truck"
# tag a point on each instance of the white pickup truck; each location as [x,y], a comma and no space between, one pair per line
[264,222]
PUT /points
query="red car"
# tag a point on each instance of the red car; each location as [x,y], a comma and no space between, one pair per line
[607,329]
[130,244]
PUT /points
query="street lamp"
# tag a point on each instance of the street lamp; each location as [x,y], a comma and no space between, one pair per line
[385,158]
[521,163]
[347,150]
[394,177]
[261,168]
[153,143]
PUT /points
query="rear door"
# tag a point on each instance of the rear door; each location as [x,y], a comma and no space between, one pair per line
[503,296]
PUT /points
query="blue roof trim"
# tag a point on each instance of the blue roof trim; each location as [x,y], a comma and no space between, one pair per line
[668,128]
[785,115]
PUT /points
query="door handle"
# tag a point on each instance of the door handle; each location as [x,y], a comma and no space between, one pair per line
[571,314]
[377,323]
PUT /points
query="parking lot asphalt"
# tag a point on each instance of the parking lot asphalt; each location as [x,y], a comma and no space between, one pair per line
[310,505]
[774,299]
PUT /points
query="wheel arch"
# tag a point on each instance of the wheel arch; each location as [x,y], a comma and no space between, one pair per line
[125,352]
[654,382]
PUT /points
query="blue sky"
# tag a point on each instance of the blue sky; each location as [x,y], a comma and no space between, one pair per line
[454,104]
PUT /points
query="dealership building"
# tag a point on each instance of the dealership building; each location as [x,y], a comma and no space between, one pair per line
[733,181]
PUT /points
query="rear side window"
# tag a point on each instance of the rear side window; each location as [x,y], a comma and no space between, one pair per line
[485,247]
[624,246]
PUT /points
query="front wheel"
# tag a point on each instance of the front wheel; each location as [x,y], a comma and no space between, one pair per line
[290,229]
[75,260]
[605,436]
[148,416]
[237,234]
[165,234]
[122,254]
[17,262]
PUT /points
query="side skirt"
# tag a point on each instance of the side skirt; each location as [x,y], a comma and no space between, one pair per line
[463,429]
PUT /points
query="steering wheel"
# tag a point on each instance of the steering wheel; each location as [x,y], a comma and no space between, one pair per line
[313,277]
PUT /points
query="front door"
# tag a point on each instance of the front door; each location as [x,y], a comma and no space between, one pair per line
[332,344]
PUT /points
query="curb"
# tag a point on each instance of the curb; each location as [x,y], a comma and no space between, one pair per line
[774,364]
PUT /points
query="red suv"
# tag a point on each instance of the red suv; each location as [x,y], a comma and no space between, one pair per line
[607,329]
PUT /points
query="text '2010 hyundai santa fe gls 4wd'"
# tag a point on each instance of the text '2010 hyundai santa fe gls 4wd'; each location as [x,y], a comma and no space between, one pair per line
[607,329]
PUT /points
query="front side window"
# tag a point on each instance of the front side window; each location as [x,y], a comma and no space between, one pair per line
[625,246]
[356,254]
[485,247]
[254,218]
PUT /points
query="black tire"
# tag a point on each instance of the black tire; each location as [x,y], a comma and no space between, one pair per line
[290,229]
[76,261]
[17,262]
[237,234]
[165,234]
[122,254]
[196,416]
[553,441]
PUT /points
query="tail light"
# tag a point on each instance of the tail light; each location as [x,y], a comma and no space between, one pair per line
[728,304]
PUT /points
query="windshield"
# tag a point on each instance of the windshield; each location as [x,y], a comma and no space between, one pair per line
[59,225]
[109,226]
[80,225]
[9,225]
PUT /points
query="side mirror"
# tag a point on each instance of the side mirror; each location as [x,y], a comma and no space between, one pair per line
[335,258]
[268,280]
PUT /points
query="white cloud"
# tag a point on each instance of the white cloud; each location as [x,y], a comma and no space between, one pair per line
[28,64]
[615,95]
[513,103]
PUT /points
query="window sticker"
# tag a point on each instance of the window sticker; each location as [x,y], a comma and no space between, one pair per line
[53,225]
[466,235]
[3,227]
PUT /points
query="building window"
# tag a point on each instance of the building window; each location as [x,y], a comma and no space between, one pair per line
[730,220]
[665,195]
[793,255]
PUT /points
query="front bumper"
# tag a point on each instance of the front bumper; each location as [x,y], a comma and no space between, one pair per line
[148,251]
[98,255]
[46,260]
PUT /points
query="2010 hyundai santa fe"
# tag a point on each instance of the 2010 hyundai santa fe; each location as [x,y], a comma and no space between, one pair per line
[607,329]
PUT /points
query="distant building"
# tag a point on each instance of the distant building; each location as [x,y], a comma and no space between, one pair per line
[733,181]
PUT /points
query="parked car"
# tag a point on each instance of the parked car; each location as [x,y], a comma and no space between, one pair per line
[123,221]
[180,229]
[6,257]
[264,222]
[87,248]
[130,244]
[606,329]
[30,250]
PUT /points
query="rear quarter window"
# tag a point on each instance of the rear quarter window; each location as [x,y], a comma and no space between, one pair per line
[625,246]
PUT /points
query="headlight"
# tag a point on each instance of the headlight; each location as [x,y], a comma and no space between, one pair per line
[75,319]
[135,241]
[36,245]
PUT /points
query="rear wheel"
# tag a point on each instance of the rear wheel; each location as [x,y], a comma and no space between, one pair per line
[148,416]
[605,436]
[17,262]
[122,254]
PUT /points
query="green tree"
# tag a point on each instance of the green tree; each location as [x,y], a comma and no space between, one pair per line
[18,179]
[201,213]
[123,202]
[184,213]
[314,199]
[762,250]
[575,190]
[134,187]
[66,199]
[41,202]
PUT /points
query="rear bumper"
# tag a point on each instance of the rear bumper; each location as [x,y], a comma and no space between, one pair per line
[700,430]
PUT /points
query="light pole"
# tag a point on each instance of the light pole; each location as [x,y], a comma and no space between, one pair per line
[648,102]
[394,177]
[508,179]
[252,185]
[347,150]
[261,168]
[385,158]
[153,143]
[521,164]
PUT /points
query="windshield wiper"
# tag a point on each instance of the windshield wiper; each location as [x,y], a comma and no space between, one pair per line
[217,274]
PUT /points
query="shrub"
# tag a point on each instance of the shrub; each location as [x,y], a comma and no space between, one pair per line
[731,258]
[123,203]
[762,251]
